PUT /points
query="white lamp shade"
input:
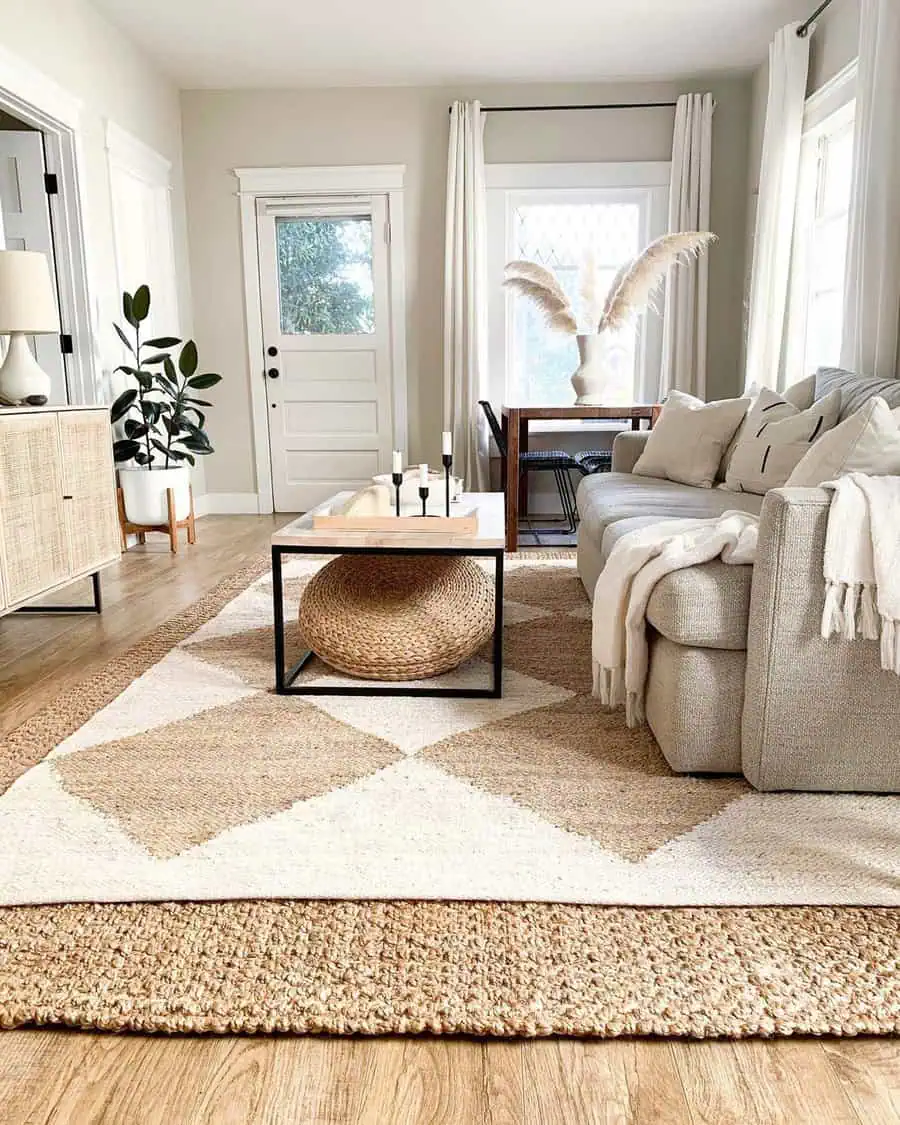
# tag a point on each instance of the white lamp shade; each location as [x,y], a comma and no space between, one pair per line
[27,297]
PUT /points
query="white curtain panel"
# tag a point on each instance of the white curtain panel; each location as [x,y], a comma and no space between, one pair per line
[466,298]
[779,176]
[872,294]
[684,326]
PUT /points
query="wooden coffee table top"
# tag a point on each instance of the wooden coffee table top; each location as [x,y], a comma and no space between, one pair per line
[490,534]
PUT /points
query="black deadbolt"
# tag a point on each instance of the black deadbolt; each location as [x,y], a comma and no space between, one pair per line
[273,350]
[273,372]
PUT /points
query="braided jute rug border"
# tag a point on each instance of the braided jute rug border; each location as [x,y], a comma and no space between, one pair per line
[502,969]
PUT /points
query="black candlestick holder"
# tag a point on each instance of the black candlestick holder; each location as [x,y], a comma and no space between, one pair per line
[397,478]
[447,458]
[423,494]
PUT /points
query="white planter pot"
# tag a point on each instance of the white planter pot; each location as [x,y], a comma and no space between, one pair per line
[591,380]
[144,492]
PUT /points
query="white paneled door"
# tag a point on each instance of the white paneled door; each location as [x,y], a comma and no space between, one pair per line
[26,226]
[324,283]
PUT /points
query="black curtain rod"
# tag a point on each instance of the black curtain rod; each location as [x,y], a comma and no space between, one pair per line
[804,29]
[548,108]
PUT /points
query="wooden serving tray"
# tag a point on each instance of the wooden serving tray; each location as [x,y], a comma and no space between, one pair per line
[464,524]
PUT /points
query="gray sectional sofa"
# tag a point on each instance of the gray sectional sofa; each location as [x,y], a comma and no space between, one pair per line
[740,678]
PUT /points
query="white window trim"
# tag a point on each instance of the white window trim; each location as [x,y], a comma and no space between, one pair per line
[255,184]
[842,112]
[834,95]
[29,94]
[515,181]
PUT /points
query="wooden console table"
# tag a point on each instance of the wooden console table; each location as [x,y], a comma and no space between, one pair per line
[515,431]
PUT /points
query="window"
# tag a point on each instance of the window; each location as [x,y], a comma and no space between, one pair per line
[325,275]
[590,215]
[819,259]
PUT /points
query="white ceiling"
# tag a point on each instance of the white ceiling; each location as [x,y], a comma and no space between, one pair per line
[272,43]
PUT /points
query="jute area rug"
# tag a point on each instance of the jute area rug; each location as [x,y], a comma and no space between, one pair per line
[174,774]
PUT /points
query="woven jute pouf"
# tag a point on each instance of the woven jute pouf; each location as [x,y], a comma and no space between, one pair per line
[396,617]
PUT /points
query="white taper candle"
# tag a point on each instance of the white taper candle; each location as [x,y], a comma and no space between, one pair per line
[397,462]
[423,476]
[446,443]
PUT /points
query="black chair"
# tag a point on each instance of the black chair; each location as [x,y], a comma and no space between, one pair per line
[594,461]
[543,461]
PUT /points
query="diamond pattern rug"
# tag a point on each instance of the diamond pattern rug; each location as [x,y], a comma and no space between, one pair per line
[194,781]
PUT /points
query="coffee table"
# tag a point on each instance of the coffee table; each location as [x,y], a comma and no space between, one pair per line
[301,538]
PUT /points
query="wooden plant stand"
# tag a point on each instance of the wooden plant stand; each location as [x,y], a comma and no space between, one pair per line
[170,528]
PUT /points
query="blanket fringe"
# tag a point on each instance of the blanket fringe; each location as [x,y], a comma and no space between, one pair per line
[850,611]
[890,645]
[634,709]
[609,685]
[831,614]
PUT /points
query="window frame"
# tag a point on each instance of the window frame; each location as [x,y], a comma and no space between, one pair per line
[807,219]
[509,185]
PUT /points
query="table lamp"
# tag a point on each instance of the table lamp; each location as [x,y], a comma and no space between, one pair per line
[27,307]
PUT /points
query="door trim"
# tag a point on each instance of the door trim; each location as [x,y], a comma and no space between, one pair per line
[255,184]
[29,94]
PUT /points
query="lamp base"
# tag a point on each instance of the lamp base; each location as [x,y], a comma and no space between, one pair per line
[21,378]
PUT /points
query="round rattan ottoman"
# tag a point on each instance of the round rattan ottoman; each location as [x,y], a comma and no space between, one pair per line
[396,617]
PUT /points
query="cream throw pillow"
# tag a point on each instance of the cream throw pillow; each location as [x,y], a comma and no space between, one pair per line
[775,439]
[866,442]
[689,439]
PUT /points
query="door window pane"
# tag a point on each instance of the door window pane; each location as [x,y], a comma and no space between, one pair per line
[325,277]
[562,237]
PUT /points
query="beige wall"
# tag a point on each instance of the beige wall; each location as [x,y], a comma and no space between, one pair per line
[229,129]
[71,43]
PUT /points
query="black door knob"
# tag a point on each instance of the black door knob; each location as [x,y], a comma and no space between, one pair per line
[273,350]
[273,372]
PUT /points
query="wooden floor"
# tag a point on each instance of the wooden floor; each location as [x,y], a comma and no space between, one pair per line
[75,1078]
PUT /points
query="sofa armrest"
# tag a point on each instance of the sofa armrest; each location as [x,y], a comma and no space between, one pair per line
[818,714]
[627,447]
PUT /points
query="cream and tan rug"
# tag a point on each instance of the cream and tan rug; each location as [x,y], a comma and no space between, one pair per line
[196,782]
[494,968]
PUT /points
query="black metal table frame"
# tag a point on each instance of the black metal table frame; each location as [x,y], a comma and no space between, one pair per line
[95,606]
[284,678]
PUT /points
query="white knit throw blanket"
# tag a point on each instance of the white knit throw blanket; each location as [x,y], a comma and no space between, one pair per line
[636,563]
[862,563]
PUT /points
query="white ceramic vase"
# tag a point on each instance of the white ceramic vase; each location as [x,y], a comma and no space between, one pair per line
[591,380]
[144,492]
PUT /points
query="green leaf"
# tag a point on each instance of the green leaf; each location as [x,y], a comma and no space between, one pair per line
[142,458]
[187,361]
[128,344]
[196,443]
[178,455]
[128,309]
[197,401]
[157,444]
[125,449]
[151,410]
[140,303]
[201,417]
[127,370]
[163,342]
[135,429]
[201,382]
[160,357]
[145,378]
[122,405]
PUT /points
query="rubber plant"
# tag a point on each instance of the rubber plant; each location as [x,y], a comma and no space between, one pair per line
[163,420]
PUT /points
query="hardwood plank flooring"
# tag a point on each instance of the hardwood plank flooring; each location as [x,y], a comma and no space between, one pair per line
[79,1078]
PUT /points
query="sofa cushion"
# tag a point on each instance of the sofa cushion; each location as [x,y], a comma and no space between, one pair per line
[855,390]
[607,499]
[704,606]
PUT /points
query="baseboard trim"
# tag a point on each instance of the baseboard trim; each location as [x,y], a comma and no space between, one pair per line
[227,504]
